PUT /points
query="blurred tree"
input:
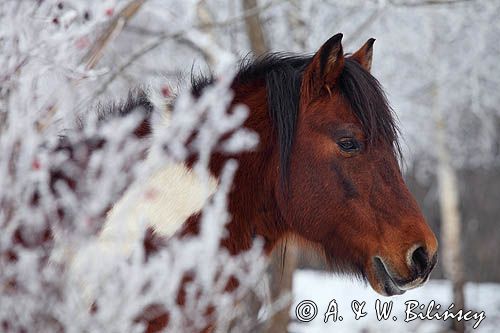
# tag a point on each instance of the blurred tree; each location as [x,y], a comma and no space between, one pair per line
[451,226]
[283,261]
[254,28]
[283,265]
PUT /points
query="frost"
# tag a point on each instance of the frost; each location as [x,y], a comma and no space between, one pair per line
[62,169]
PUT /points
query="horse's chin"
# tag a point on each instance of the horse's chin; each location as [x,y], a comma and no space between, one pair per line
[374,272]
[381,280]
[346,267]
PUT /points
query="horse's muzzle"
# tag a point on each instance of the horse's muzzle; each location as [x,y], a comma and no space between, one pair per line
[392,284]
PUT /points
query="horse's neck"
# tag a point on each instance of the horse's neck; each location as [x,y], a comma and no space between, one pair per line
[163,202]
[174,194]
[252,204]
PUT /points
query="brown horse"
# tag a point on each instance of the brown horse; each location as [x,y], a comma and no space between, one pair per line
[326,170]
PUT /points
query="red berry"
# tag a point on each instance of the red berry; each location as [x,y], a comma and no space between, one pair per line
[109,12]
[35,165]
[151,194]
[89,222]
[82,42]
[165,91]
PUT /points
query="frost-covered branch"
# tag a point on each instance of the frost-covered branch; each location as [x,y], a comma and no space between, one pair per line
[65,265]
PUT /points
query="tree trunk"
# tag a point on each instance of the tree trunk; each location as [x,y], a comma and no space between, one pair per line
[450,215]
[254,28]
[280,278]
[297,25]
[281,282]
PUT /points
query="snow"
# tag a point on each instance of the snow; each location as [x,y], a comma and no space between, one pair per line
[322,288]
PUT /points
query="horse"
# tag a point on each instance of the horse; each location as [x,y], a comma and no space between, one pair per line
[326,171]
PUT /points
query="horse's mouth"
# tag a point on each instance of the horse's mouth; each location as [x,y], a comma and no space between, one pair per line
[387,283]
[390,284]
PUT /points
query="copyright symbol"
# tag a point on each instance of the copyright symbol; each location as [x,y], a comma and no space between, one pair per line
[306,311]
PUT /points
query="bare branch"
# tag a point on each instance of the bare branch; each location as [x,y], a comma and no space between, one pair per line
[209,25]
[163,36]
[429,3]
[111,32]
[366,24]
[14,70]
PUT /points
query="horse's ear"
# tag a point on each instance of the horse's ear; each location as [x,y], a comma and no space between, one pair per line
[325,66]
[363,56]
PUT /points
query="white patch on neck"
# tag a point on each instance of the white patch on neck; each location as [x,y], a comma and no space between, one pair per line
[164,202]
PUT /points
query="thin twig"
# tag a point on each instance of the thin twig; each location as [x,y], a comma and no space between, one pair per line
[111,32]
[207,25]
[366,24]
[14,70]
[429,3]
[161,37]
[136,55]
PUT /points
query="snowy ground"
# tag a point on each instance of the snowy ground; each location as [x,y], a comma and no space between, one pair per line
[322,288]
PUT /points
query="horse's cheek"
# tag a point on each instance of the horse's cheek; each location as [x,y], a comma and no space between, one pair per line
[309,206]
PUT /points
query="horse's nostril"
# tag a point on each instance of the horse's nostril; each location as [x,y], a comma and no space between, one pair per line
[420,260]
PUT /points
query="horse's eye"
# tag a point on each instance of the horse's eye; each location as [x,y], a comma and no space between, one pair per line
[349,145]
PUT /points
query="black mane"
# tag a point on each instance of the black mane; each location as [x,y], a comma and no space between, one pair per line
[282,74]
[137,101]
